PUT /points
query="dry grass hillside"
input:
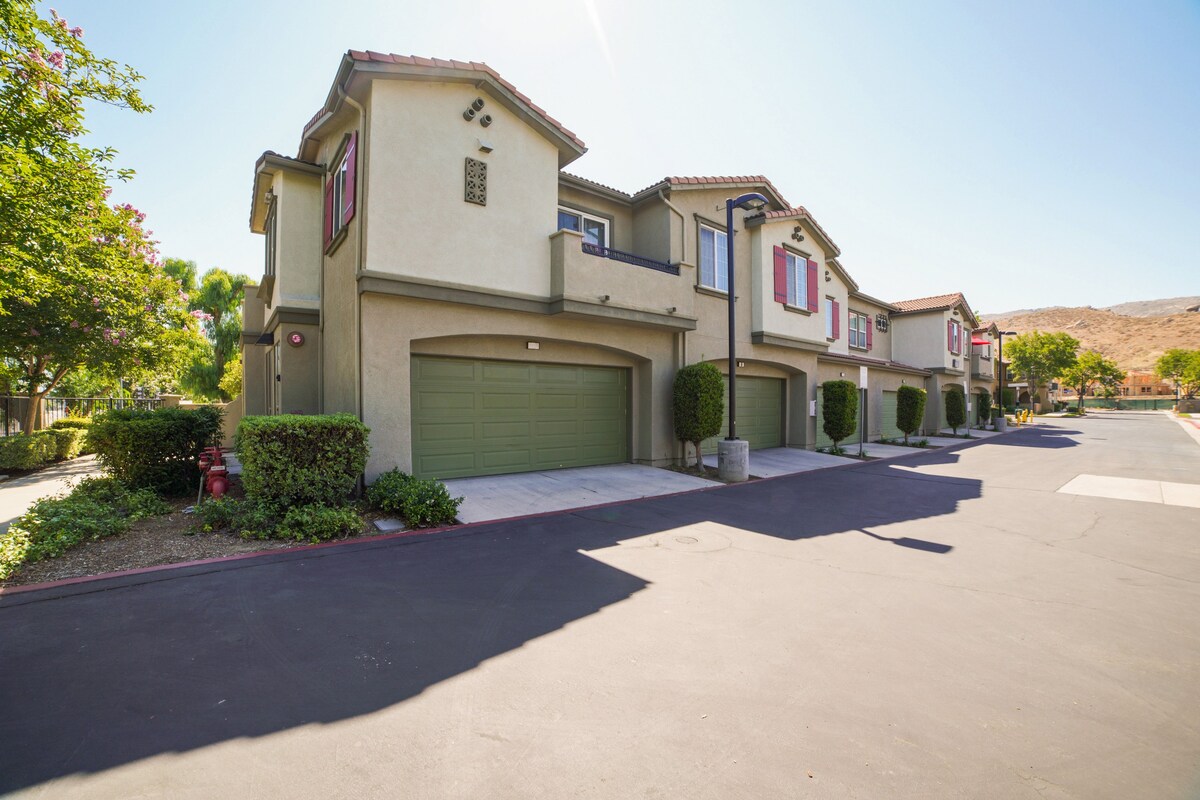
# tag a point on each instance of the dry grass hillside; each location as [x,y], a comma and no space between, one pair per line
[1135,343]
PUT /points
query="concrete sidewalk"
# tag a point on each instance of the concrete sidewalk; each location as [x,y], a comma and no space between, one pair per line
[18,494]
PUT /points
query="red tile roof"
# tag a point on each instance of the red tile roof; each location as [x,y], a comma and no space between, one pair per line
[715,180]
[591,182]
[871,362]
[935,303]
[464,66]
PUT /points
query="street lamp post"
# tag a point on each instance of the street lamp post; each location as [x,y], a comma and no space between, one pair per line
[733,454]
[1003,369]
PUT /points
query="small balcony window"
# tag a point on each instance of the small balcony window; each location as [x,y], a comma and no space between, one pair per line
[594,229]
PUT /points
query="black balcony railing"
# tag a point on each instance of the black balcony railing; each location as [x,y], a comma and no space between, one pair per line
[629,258]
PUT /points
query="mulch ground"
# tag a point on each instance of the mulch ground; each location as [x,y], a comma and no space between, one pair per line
[170,539]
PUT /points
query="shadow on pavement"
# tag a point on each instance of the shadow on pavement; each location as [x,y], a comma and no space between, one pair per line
[115,673]
[1051,438]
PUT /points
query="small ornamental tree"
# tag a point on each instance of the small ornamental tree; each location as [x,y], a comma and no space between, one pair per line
[1041,357]
[910,410]
[985,406]
[839,406]
[698,404]
[1091,368]
[956,408]
[1181,368]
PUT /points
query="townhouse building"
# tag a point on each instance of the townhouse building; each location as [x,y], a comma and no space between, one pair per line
[432,268]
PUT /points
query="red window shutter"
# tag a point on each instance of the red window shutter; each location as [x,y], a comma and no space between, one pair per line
[781,295]
[329,209]
[812,285]
[351,159]
[837,320]
[869,328]
[950,336]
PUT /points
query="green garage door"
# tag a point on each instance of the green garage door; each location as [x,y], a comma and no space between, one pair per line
[494,417]
[825,441]
[890,429]
[759,413]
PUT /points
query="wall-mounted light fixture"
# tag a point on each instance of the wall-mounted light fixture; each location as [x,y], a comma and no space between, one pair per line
[604,298]
[533,345]
[828,277]
[741,364]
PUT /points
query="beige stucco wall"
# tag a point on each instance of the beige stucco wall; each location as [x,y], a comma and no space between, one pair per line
[418,224]
[298,218]
[299,387]
[776,318]
[395,322]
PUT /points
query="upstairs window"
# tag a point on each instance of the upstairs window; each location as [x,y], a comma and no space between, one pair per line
[594,229]
[341,191]
[269,269]
[954,337]
[714,259]
[833,310]
[797,280]
[860,330]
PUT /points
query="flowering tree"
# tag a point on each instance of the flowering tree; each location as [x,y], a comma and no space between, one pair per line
[1041,357]
[80,282]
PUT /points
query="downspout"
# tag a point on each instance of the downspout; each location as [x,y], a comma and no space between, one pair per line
[359,212]
[681,340]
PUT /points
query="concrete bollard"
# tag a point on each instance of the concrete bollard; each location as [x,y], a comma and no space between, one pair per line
[733,459]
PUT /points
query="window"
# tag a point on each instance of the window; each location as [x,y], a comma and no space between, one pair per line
[797,281]
[271,237]
[714,259]
[954,336]
[594,229]
[860,326]
[340,192]
[830,318]
[984,351]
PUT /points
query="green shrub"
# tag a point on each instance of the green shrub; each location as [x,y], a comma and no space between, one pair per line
[96,508]
[248,518]
[71,422]
[290,459]
[910,410]
[956,408]
[67,442]
[157,450]
[839,407]
[698,404]
[985,406]
[318,523]
[28,451]
[421,504]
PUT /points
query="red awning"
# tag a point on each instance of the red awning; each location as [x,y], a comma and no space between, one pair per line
[980,341]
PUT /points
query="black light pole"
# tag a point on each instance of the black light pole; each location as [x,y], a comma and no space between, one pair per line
[752,201]
[1003,369]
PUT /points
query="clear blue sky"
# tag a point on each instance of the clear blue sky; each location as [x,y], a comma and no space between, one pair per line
[1026,153]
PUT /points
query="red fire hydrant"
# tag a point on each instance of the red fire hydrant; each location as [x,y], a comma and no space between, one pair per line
[215,474]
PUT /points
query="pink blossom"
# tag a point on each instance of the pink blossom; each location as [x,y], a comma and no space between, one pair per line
[57,59]
[96,302]
[149,307]
[203,316]
[35,55]
[74,324]
[87,328]
[77,32]
[34,332]
[107,192]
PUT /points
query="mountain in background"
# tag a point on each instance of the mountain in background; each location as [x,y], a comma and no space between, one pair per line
[1133,334]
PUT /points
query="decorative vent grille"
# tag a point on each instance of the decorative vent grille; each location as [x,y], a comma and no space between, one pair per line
[881,323]
[475,188]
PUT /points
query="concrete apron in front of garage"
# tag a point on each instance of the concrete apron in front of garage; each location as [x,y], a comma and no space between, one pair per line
[492,497]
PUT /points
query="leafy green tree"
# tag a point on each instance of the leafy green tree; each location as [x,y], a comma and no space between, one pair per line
[81,281]
[231,381]
[1090,368]
[1041,357]
[1181,367]
[698,404]
[216,303]
[184,273]
[839,407]
[910,410]
[956,408]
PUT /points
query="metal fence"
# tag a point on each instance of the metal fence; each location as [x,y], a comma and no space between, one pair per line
[12,409]
[1128,403]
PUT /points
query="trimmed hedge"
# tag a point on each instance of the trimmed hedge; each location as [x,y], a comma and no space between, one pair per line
[28,451]
[68,442]
[157,449]
[252,519]
[910,409]
[95,508]
[71,422]
[293,459]
[839,407]
[419,503]
[985,406]
[698,404]
[956,408]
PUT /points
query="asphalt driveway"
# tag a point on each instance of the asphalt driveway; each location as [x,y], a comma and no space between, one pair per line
[945,624]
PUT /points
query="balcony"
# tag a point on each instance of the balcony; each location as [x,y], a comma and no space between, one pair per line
[593,281]
[981,367]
